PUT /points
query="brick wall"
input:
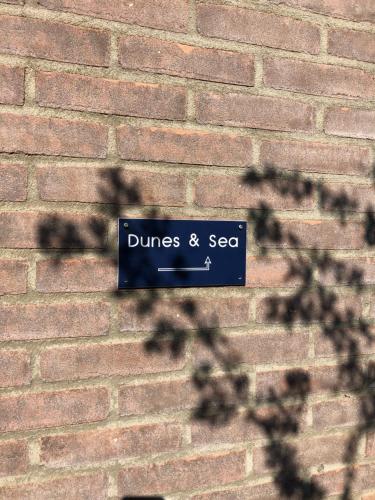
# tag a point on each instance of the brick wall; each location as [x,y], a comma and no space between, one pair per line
[225,109]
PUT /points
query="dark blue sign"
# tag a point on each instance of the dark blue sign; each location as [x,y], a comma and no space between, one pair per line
[158,253]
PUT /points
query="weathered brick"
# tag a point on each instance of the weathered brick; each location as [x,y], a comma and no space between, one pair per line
[183,474]
[76,275]
[319,234]
[252,492]
[86,361]
[259,28]
[172,15]
[160,56]
[350,122]
[253,349]
[51,230]
[52,136]
[43,321]
[53,408]
[316,157]
[110,185]
[102,95]
[318,79]
[13,276]
[352,44]
[15,2]
[14,458]
[338,412]
[109,444]
[152,397]
[311,452]
[356,10]
[183,146]
[55,41]
[13,182]
[11,85]
[15,368]
[269,272]
[72,487]
[189,313]
[244,110]
[235,192]
[323,379]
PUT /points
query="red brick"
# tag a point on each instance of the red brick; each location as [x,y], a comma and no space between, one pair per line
[350,122]
[253,492]
[370,445]
[14,458]
[334,482]
[183,474]
[364,265]
[116,97]
[235,192]
[54,41]
[13,182]
[51,230]
[183,146]
[269,273]
[189,313]
[11,85]
[259,28]
[338,412]
[320,234]
[316,157]
[161,56]
[244,110]
[352,44]
[152,397]
[263,348]
[107,185]
[311,452]
[359,197]
[72,487]
[13,275]
[325,344]
[318,79]
[171,15]
[54,408]
[15,368]
[323,379]
[86,361]
[43,321]
[356,10]
[76,275]
[239,429]
[313,302]
[52,136]
[109,444]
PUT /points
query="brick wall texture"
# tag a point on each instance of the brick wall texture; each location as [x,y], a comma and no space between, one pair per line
[211,109]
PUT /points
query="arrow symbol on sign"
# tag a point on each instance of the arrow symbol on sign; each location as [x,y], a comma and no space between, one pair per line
[206,267]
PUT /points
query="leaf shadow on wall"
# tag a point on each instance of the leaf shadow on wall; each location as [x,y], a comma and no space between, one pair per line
[222,383]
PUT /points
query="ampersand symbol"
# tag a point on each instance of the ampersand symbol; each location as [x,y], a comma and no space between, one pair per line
[194,241]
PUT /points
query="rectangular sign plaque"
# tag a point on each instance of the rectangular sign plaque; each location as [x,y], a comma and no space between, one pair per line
[160,253]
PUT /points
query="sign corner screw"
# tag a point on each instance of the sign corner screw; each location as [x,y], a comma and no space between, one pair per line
[240,226]
[126,224]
